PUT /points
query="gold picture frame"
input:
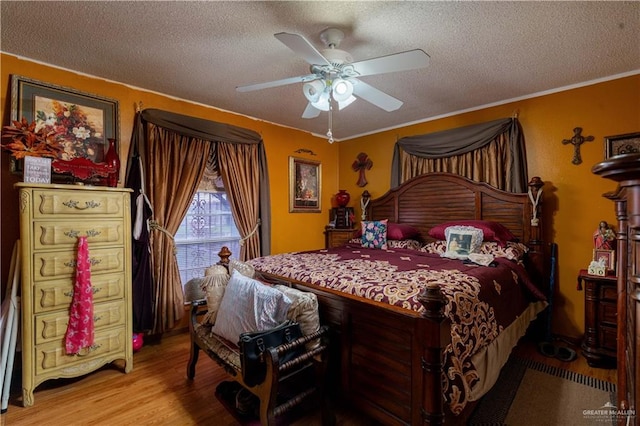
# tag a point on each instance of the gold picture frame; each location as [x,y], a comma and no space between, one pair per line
[83,122]
[628,143]
[305,185]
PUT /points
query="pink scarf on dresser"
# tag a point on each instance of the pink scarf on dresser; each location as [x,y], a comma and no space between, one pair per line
[80,328]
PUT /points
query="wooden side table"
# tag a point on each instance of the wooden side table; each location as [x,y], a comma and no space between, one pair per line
[600,319]
[336,237]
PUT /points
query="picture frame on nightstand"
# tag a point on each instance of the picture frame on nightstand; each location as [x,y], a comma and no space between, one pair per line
[609,258]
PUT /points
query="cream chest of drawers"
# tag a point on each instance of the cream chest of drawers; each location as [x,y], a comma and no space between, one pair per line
[52,217]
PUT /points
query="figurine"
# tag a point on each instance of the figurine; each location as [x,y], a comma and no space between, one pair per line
[604,237]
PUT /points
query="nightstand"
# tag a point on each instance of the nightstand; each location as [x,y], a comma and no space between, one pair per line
[599,346]
[336,237]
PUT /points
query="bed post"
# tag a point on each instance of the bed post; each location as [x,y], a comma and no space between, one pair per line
[224,254]
[433,353]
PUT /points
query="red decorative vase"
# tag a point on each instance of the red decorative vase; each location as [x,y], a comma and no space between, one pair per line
[343,198]
[112,159]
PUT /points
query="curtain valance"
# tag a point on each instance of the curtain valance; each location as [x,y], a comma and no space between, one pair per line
[461,140]
[200,128]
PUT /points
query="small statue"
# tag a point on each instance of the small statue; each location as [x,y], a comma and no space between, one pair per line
[604,237]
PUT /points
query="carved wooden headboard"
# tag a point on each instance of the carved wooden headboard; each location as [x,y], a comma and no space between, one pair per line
[435,198]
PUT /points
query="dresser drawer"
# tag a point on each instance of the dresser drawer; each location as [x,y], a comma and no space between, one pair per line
[52,355]
[53,326]
[59,264]
[55,295]
[61,234]
[77,204]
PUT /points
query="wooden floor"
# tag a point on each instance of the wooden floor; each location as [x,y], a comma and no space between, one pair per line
[157,392]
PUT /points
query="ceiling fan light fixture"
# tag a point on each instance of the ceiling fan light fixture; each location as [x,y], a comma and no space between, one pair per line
[313,90]
[323,101]
[341,89]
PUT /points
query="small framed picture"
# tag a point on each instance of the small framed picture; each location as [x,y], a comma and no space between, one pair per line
[607,256]
[621,144]
[305,178]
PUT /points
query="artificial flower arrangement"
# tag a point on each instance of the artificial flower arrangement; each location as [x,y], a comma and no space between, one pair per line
[30,139]
[24,140]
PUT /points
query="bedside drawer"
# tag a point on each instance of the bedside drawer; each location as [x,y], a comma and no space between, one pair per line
[608,313]
[608,292]
[608,338]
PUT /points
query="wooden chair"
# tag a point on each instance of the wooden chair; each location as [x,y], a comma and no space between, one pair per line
[301,378]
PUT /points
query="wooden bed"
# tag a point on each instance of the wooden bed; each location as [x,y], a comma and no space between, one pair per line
[389,360]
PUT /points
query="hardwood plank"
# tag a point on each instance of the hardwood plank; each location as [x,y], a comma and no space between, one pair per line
[158,392]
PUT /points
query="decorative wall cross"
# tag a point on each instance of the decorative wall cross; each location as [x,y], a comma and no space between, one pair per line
[576,141]
[361,164]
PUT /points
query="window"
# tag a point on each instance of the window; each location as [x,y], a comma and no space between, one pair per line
[207,227]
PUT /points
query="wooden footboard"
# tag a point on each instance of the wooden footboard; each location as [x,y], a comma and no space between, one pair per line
[386,361]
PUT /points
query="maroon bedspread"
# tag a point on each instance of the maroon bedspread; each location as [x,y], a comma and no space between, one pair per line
[483,300]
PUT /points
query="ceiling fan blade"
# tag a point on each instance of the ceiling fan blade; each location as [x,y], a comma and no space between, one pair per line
[310,111]
[276,83]
[302,48]
[375,96]
[402,61]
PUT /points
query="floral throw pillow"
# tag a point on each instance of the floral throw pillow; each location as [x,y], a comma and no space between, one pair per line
[374,234]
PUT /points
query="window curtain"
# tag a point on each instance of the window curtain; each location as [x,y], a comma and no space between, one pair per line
[491,152]
[174,150]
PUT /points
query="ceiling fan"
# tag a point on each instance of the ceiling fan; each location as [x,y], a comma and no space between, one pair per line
[334,75]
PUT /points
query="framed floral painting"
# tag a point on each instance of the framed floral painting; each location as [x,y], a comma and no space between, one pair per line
[305,178]
[80,122]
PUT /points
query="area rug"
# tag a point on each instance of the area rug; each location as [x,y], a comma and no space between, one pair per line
[529,393]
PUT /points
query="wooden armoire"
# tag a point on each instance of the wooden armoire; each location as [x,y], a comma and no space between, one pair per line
[625,169]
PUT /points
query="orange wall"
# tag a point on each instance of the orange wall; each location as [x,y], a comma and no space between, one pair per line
[572,194]
[291,231]
[573,202]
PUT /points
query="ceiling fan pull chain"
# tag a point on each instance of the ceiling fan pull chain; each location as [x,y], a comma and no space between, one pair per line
[330,133]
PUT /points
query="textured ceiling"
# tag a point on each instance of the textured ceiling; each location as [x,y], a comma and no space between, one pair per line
[481,52]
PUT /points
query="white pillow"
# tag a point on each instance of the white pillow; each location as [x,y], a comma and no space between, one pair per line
[249,305]
[461,241]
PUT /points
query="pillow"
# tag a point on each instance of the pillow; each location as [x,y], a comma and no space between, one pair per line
[193,290]
[304,311]
[512,251]
[249,305]
[243,267]
[401,231]
[435,247]
[213,285]
[404,244]
[462,240]
[374,233]
[492,231]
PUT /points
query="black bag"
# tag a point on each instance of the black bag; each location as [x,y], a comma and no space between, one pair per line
[253,344]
